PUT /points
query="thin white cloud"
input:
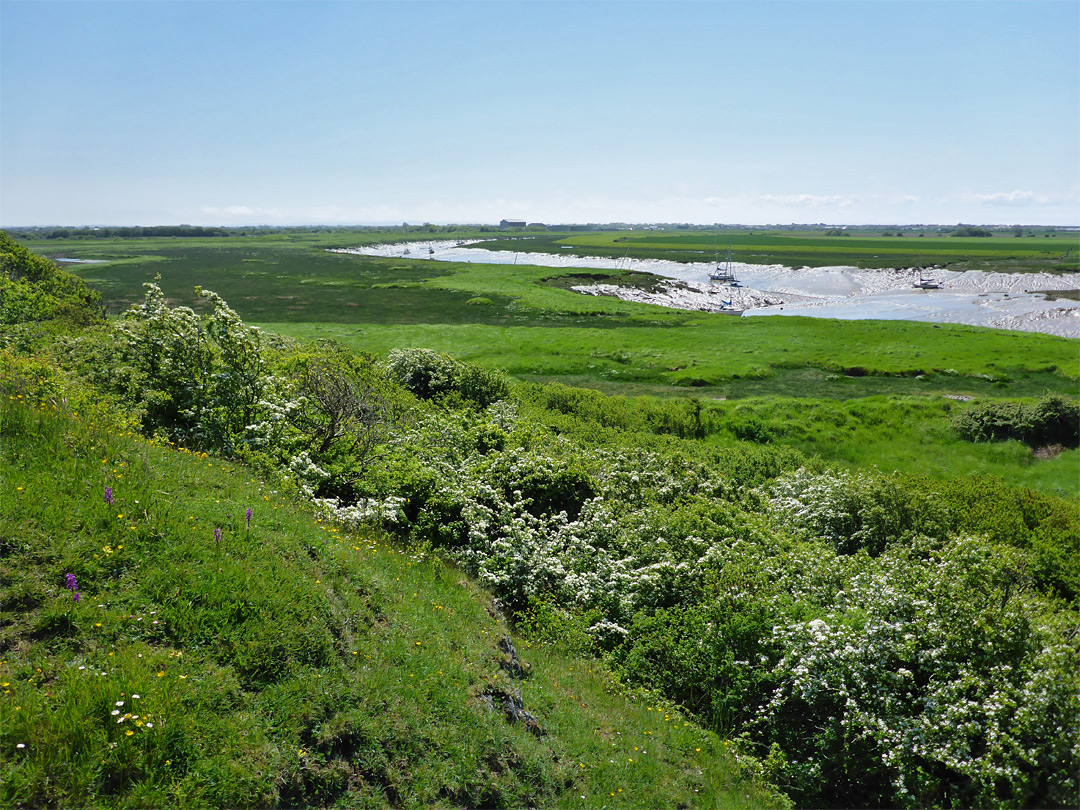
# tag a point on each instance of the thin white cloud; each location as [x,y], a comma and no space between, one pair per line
[1016,197]
[233,211]
[811,200]
[853,208]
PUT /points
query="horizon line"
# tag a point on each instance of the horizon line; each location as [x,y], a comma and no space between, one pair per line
[554,226]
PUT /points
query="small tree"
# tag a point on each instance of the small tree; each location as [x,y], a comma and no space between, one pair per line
[200,380]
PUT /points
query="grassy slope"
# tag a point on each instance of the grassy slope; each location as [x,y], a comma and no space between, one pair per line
[290,664]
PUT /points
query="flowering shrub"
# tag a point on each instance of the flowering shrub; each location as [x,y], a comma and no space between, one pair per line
[852,511]
[429,374]
[930,680]
[199,380]
[829,618]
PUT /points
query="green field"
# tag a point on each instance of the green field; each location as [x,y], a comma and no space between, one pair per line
[519,319]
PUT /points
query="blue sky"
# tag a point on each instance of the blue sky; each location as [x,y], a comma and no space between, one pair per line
[372,112]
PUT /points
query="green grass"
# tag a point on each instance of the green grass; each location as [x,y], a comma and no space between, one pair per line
[521,319]
[288,664]
[721,356]
[292,663]
[906,434]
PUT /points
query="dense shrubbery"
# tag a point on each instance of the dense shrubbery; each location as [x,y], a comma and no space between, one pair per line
[195,380]
[34,289]
[855,512]
[930,677]
[1053,420]
[848,648]
[430,375]
[1047,528]
[849,627]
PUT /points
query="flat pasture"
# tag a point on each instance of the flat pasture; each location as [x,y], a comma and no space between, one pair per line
[718,356]
[521,319]
[281,282]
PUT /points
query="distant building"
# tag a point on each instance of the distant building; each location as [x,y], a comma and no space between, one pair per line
[512,223]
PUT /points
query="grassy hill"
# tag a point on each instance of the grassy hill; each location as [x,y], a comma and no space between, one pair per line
[288,663]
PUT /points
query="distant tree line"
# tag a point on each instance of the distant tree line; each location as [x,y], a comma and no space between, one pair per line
[135,231]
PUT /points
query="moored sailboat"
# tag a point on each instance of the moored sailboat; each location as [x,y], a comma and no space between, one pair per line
[924,282]
[728,308]
[723,273]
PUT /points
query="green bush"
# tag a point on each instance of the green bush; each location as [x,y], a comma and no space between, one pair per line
[548,488]
[424,372]
[1055,420]
[197,380]
[429,375]
[752,429]
[34,289]
[699,655]
[855,511]
[1047,527]
[1052,420]
[480,385]
[335,409]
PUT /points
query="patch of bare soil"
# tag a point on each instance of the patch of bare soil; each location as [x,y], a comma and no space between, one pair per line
[1050,451]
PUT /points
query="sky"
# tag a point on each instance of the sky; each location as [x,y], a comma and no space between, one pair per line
[294,113]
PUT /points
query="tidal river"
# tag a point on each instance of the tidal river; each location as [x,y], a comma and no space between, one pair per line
[1000,300]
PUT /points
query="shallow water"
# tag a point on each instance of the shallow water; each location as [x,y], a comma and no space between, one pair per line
[1000,300]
